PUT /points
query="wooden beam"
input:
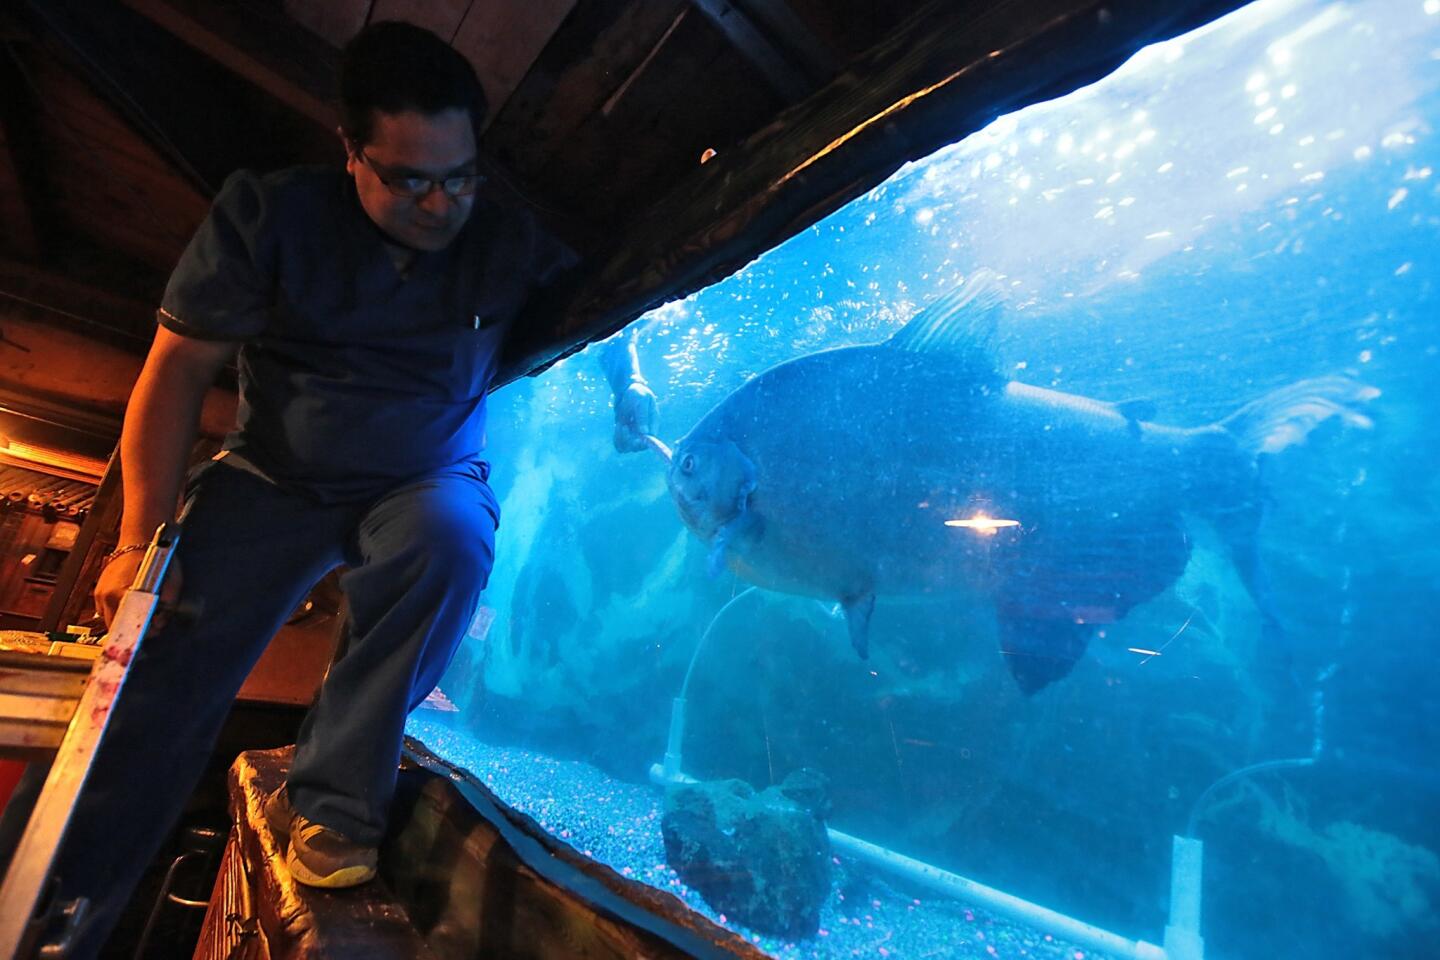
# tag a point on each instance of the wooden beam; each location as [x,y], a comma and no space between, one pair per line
[243,40]
[43,367]
[60,301]
[787,79]
[37,427]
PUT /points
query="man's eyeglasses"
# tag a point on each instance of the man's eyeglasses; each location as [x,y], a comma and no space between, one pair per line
[417,188]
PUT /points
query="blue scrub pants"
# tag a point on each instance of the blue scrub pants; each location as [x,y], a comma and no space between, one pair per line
[249,554]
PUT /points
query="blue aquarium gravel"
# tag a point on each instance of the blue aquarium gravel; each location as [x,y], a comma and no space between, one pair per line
[618,824]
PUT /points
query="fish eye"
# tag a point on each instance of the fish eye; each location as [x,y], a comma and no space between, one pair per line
[687,463]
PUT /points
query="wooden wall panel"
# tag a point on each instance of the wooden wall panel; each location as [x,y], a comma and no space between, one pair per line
[106,181]
[258,44]
[441,16]
[503,41]
[17,224]
[614,114]
[334,21]
[567,87]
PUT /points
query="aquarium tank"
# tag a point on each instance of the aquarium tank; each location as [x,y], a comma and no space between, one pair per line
[1049,544]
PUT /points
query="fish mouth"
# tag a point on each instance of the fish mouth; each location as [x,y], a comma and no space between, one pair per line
[693,514]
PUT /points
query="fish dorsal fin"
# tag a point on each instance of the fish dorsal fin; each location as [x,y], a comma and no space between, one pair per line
[962,323]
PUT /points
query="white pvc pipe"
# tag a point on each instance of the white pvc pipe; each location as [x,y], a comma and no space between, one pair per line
[675,739]
[953,885]
[1182,933]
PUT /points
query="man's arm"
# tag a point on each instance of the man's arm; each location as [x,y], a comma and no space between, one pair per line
[161,423]
[636,412]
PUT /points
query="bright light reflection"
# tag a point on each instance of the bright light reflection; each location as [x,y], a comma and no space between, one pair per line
[982,524]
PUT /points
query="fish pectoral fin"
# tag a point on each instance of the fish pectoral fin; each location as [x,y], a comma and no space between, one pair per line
[857,618]
[715,559]
[1039,652]
[1136,410]
[744,525]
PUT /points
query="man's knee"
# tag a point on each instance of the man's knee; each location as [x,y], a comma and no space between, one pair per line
[457,540]
[467,550]
[443,527]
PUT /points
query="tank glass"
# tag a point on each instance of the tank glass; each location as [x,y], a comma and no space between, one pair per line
[1062,516]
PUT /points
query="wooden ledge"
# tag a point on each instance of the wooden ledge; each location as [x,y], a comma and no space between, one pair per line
[303,922]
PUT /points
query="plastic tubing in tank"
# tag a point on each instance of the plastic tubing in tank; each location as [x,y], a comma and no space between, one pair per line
[997,901]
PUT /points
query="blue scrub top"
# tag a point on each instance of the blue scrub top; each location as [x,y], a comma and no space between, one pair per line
[354,378]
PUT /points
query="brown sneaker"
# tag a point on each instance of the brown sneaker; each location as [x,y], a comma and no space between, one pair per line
[318,856]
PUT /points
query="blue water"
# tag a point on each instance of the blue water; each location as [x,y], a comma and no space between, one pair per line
[1231,212]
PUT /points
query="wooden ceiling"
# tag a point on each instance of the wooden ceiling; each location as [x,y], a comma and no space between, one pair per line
[124,116]
[669,141]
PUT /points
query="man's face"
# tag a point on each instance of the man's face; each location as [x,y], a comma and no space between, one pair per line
[410,145]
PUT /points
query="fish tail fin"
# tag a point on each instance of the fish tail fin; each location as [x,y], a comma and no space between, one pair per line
[1285,417]
[1238,495]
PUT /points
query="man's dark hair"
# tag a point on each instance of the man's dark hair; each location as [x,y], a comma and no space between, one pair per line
[393,66]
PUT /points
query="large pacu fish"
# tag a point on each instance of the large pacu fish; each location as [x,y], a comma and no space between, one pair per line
[912,467]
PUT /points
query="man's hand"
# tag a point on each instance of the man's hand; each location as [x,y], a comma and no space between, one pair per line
[117,577]
[635,409]
[636,417]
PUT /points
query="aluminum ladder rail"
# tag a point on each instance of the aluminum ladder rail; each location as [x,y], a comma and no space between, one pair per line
[29,873]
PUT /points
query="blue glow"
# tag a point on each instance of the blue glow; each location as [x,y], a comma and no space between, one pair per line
[1230,212]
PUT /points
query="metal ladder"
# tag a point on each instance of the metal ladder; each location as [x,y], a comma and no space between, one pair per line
[27,881]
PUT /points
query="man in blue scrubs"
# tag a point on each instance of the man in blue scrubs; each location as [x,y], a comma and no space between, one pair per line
[367,309]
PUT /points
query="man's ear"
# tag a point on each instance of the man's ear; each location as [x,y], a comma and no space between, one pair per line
[348,145]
